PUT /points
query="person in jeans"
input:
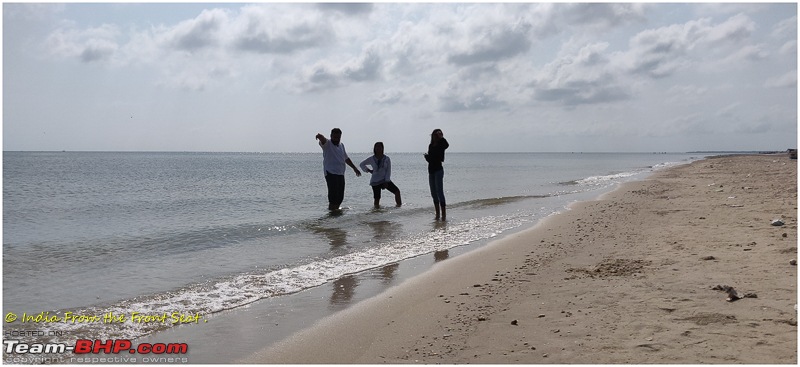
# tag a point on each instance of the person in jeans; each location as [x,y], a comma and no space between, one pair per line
[381,174]
[334,158]
[435,157]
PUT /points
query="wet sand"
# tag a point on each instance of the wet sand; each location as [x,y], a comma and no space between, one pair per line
[642,275]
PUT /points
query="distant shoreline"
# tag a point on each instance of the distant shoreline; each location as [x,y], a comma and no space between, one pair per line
[456,152]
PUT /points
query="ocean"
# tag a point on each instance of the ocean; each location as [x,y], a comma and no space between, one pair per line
[142,246]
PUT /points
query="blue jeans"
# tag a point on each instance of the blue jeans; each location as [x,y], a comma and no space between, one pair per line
[437,187]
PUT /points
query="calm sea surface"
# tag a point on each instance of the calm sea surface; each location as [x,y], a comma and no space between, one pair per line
[201,233]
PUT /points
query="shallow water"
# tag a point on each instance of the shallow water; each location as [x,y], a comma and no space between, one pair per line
[202,233]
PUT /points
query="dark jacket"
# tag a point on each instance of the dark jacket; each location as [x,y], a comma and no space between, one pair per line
[435,155]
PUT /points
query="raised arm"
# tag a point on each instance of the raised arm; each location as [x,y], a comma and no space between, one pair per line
[322,139]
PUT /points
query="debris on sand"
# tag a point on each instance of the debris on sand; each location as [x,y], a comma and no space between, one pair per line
[733,294]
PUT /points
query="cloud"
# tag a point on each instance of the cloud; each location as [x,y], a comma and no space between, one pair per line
[733,31]
[789,48]
[691,124]
[585,77]
[416,95]
[686,94]
[493,44]
[593,75]
[657,52]
[98,50]
[750,53]
[195,77]
[599,69]
[186,80]
[319,77]
[601,15]
[475,101]
[367,68]
[252,29]
[488,49]
[729,111]
[349,9]
[475,88]
[389,97]
[326,75]
[788,80]
[271,31]
[786,28]
[753,128]
[580,93]
[89,45]
[33,11]
[415,47]
[198,33]
[661,52]
[492,34]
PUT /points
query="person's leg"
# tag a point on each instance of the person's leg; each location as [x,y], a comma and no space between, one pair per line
[340,197]
[440,192]
[432,184]
[439,178]
[337,192]
[330,181]
[376,194]
[396,191]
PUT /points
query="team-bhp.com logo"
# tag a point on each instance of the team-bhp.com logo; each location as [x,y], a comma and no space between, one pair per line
[86,347]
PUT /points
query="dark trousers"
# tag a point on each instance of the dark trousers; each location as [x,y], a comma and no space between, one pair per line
[376,190]
[335,190]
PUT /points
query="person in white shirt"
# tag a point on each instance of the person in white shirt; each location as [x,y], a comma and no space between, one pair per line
[381,174]
[334,158]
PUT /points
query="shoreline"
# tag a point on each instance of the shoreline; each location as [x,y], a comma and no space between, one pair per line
[626,278]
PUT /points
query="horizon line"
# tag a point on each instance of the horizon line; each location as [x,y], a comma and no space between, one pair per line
[419,152]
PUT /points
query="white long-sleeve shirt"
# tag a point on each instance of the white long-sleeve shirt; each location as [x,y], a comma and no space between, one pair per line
[334,157]
[380,173]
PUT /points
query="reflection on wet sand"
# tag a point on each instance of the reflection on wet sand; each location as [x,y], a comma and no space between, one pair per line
[387,272]
[343,290]
[440,254]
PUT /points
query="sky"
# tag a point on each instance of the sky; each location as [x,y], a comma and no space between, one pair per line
[514,77]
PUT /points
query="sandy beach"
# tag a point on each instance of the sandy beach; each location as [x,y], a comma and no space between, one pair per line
[684,267]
